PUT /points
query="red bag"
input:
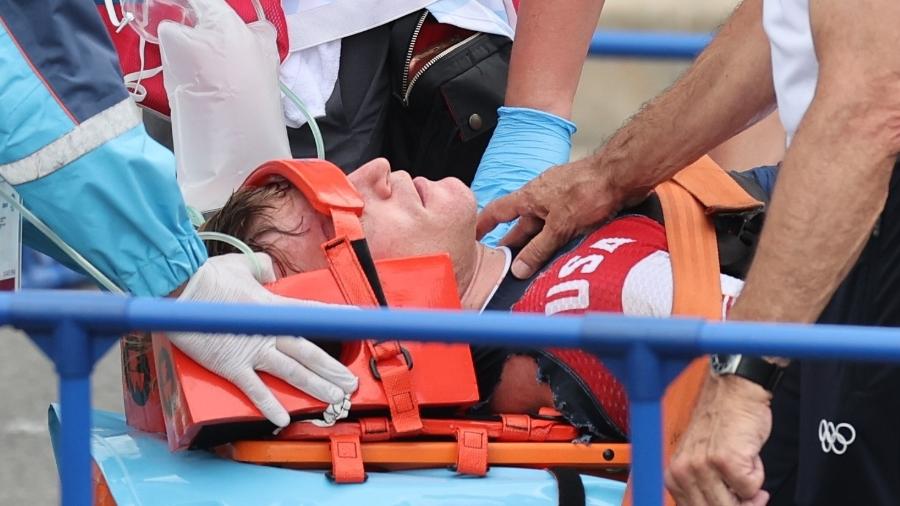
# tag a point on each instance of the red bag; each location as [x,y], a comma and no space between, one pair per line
[128,46]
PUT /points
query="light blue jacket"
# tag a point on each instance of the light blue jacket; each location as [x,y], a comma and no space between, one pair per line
[73,146]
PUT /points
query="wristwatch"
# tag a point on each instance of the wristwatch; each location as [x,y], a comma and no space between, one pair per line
[760,371]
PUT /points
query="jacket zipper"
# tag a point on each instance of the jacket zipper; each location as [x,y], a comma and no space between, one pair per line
[409,53]
[408,84]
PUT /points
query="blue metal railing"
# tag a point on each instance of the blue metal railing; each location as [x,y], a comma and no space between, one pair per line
[75,328]
[654,45]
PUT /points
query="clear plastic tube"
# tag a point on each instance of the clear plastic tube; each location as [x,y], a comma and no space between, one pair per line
[313,126]
[68,250]
[195,216]
[237,243]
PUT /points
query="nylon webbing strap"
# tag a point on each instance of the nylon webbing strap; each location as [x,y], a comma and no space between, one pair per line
[348,273]
[346,459]
[472,451]
[714,188]
[694,254]
[389,359]
[695,193]
[570,486]
[396,379]
[516,427]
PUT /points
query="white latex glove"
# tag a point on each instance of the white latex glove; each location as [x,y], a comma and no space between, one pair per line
[231,278]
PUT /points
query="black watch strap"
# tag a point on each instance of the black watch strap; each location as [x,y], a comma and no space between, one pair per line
[760,371]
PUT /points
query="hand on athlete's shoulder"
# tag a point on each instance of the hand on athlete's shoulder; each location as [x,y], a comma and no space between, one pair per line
[560,203]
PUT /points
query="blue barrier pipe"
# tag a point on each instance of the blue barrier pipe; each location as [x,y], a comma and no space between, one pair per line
[72,356]
[608,333]
[645,387]
[76,317]
[656,45]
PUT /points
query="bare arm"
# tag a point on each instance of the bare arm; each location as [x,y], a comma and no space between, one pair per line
[552,39]
[831,188]
[834,180]
[728,88]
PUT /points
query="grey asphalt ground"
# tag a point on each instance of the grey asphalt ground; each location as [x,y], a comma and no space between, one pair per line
[27,387]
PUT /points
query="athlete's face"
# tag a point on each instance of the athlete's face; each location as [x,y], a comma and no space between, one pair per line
[402,217]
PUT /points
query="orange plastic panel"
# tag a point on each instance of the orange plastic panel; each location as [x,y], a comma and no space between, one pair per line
[410,454]
[325,187]
[442,373]
[102,495]
[323,184]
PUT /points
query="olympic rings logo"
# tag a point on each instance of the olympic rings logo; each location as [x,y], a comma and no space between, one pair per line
[836,438]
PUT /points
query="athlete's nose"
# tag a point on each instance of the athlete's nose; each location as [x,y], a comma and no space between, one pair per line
[374,177]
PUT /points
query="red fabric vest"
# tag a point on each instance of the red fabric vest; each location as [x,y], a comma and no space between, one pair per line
[590,278]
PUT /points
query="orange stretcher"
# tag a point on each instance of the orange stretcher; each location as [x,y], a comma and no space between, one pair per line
[689,202]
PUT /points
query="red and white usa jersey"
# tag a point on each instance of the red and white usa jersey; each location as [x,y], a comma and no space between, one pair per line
[622,267]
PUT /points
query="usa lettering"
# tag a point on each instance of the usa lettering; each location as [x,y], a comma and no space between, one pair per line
[574,294]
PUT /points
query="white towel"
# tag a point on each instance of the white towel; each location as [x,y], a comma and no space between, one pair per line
[311,74]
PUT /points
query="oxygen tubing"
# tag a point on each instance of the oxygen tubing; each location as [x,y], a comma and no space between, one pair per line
[238,244]
[313,126]
[93,271]
[68,250]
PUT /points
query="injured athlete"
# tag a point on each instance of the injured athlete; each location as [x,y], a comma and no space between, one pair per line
[622,266]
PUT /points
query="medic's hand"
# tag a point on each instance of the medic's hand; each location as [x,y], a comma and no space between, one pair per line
[717,461]
[552,209]
[230,278]
[525,143]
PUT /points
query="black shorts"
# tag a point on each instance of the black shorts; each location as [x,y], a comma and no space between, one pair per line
[836,425]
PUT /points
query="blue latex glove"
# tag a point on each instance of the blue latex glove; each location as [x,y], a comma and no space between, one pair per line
[526,142]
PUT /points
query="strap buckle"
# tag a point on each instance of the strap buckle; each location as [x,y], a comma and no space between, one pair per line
[373,364]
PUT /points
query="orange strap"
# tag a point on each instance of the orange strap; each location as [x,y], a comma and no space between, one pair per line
[374,429]
[472,451]
[346,459]
[694,254]
[688,201]
[515,427]
[390,363]
[347,273]
[714,188]
[346,224]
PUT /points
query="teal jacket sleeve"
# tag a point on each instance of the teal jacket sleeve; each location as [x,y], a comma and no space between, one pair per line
[73,146]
